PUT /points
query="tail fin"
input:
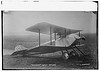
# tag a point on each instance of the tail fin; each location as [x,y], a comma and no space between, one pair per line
[19,48]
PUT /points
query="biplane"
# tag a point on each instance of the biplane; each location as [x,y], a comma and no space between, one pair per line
[64,40]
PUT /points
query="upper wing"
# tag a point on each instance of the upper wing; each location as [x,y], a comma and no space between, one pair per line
[44,28]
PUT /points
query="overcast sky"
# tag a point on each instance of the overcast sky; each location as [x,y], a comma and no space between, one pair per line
[15,22]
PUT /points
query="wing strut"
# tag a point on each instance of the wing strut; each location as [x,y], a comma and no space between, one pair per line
[65,32]
[79,36]
[50,36]
[55,36]
[75,51]
[80,50]
[39,37]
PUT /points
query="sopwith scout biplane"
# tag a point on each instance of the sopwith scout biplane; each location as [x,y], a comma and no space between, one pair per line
[64,40]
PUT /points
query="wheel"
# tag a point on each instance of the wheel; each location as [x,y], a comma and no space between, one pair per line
[65,56]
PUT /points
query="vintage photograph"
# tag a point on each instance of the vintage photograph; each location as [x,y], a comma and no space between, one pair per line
[50,40]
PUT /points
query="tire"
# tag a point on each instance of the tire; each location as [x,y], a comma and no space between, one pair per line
[65,56]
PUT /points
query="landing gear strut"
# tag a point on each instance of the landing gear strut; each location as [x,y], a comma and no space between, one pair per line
[66,55]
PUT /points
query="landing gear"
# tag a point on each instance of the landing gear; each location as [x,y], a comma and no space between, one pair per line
[72,54]
[67,55]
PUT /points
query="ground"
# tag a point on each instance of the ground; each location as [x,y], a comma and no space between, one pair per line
[47,62]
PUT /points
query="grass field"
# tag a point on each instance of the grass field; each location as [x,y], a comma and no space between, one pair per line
[44,61]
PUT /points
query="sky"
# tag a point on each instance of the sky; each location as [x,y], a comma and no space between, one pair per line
[15,22]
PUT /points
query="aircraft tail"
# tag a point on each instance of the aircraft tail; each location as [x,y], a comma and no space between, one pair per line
[19,49]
